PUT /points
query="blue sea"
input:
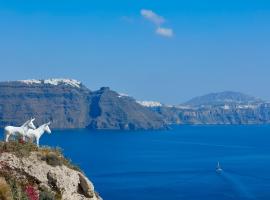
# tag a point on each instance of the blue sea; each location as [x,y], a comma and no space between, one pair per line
[176,164]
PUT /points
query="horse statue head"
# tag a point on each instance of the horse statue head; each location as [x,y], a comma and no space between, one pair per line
[47,128]
[30,123]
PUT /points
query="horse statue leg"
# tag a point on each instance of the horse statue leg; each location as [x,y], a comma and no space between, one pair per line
[37,140]
[7,134]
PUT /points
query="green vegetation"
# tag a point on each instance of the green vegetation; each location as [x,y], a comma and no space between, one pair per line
[45,194]
[17,189]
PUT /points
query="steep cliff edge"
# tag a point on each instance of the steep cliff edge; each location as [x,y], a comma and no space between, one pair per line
[28,172]
[56,100]
[109,110]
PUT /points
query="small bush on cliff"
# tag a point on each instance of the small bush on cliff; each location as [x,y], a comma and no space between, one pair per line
[54,157]
[46,195]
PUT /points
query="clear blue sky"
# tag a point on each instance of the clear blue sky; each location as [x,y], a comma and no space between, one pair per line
[215,46]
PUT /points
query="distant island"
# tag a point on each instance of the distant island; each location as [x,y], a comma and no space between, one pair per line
[68,104]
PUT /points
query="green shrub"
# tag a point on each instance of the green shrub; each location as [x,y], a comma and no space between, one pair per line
[52,159]
[46,195]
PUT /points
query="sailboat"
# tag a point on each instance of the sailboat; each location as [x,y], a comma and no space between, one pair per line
[218,168]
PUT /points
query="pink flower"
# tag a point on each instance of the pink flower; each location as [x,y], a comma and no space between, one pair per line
[32,193]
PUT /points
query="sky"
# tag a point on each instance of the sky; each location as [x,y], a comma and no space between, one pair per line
[167,51]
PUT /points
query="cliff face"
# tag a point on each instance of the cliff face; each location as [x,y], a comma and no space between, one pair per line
[250,114]
[27,172]
[65,105]
[216,108]
[69,104]
[109,110]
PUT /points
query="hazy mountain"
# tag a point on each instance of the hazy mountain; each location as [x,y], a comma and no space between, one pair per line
[223,98]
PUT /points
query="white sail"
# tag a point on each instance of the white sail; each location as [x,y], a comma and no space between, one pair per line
[218,168]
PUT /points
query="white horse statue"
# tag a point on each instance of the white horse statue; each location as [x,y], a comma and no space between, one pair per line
[21,130]
[37,133]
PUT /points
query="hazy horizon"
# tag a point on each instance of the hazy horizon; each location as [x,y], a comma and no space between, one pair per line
[169,51]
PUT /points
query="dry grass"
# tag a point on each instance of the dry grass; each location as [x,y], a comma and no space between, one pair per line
[5,191]
[20,150]
[53,156]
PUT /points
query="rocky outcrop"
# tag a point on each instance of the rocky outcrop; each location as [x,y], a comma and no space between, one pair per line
[59,180]
[69,104]
[109,110]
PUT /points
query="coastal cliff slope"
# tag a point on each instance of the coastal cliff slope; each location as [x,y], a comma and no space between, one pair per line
[28,172]
[109,110]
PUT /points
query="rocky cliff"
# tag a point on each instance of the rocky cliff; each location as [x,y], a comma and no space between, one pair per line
[69,104]
[248,114]
[31,173]
[109,110]
[64,104]
[217,108]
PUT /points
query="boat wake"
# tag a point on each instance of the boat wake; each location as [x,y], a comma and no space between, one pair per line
[241,190]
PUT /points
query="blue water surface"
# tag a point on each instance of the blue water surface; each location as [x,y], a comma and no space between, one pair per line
[174,164]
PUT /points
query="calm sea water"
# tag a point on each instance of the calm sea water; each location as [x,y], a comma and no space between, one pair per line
[175,164]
